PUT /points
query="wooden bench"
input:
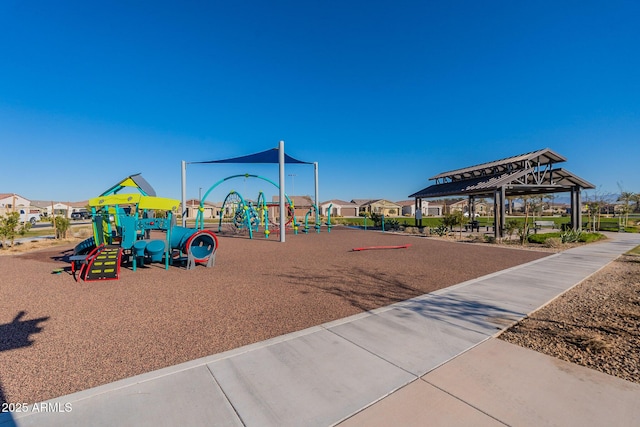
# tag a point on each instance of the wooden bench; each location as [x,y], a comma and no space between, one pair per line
[537,225]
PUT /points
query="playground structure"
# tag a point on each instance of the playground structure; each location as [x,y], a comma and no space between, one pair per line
[122,226]
[274,155]
[249,216]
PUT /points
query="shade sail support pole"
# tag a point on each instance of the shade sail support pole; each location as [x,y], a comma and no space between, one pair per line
[184,193]
[282,193]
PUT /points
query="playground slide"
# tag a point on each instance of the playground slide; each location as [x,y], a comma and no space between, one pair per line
[84,247]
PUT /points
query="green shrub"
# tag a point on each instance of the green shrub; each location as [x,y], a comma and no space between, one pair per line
[510,226]
[489,239]
[542,238]
[62,225]
[391,224]
[449,221]
[591,237]
[10,228]
[441,230]
[376,218]
[571,236]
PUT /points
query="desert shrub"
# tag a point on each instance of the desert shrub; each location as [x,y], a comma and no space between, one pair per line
[62,225]
[523,232]
[570,236]
[510,226]
[489,239]
[440,230]
[553,242]
[450,220]
[392,224]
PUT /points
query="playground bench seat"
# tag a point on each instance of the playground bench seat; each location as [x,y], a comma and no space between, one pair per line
[77,260]
[537,225]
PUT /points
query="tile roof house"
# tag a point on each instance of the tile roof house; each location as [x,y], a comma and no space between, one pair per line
[10,202]
[380,206]
[409,207]
[302,204]
[339,208]
[211,210]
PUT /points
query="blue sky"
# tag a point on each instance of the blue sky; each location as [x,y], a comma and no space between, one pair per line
[383,95]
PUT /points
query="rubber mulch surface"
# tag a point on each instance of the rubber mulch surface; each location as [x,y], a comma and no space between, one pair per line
[58,336]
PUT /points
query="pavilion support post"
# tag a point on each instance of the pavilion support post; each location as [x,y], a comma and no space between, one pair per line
[499,210]
[496,214]
[576,208]
[418,212]
[502,211]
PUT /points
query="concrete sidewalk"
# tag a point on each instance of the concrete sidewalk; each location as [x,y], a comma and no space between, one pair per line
[431,360]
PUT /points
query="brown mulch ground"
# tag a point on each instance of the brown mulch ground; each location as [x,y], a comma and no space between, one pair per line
[58,336]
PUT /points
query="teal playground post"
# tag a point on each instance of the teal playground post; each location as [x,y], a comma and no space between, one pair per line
[306,219]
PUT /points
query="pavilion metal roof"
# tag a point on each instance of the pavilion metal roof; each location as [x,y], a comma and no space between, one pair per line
[529,173]
[510,164]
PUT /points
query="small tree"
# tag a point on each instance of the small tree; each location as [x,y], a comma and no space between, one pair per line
[376,218]
[10,227]
[636,200]
[510,226]
[62,226]
[594,206]
[460,221]
[452,219]
[627,198]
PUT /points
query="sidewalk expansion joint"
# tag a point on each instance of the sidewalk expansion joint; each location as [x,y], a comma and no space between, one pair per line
[235,410]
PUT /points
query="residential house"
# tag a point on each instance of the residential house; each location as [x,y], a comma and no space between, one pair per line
[435,209]
[301,205]
[64,209]
[380,207]
[210,210]
[339,208]
[12,202]
[409,208]
[480,207]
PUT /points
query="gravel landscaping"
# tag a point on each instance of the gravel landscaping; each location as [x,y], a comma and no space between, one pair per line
[596,324]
